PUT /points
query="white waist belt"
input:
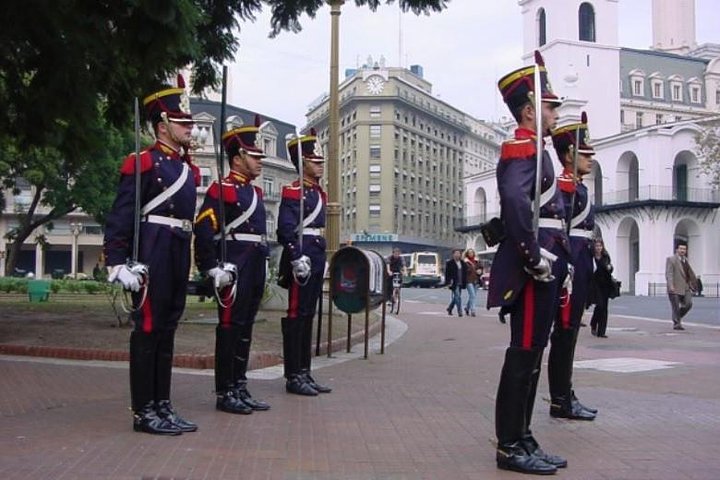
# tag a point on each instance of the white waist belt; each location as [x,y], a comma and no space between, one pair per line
[551,223]
[245,237]
[183,224]
[312,231]
[579,232]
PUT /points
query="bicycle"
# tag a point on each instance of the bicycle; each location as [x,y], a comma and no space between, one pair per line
[395,297]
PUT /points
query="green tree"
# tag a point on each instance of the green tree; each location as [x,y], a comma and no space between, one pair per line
[69,70]
[708,151]
[62,185]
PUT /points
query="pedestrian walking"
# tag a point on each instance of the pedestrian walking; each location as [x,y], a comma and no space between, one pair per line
[474,270]
[455,279]
[681,283]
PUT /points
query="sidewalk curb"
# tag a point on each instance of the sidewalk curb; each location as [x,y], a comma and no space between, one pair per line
[195,361]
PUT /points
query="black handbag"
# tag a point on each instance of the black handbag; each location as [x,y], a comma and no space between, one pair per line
[615,290]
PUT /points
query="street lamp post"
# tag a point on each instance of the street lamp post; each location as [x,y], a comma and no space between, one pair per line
[75,229]
[334,208]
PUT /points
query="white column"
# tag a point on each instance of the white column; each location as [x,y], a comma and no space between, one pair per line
[39,260]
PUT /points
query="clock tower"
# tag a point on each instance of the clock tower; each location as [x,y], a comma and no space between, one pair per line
[579,42]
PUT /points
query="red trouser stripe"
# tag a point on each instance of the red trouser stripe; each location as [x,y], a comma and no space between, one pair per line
[226,311]
[147,324]
[565,310]
[294,300]
[528,314]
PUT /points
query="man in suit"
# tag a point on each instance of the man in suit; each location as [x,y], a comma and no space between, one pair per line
[681,282]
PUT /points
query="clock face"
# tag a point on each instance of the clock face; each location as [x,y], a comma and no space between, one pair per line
[375,85]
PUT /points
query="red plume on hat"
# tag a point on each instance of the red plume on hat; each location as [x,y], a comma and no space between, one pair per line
[257,120]
[180,81]
[583,117]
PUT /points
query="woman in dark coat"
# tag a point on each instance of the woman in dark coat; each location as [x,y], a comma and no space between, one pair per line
[602,286]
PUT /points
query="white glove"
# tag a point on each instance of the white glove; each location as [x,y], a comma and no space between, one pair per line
[130,279]
[222,275]
[542,272]
[301,266]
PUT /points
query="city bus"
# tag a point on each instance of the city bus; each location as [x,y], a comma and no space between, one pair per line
[424,269]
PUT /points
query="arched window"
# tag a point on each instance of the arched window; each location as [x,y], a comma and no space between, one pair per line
[586,22]
[542,32]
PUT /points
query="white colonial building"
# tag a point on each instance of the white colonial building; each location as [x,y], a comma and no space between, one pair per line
[645,108]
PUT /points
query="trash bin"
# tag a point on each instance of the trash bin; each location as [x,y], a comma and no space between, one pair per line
[39,290]
[357,279]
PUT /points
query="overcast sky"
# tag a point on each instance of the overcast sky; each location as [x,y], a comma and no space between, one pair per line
[463,51]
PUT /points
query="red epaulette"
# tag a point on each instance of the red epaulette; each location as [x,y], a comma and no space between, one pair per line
[259,192]
[324,197]
[514,149]
[128,166]
[196,173]
[229,192]
[566,184]
[291,192]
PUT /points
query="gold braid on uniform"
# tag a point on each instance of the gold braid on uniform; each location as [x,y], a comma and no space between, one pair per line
[208,213]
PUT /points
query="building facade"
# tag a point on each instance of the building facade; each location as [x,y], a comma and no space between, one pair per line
[645,108]
[403,156]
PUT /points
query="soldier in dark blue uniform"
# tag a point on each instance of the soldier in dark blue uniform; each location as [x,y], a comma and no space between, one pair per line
[168,182]
[302,263]
[567,322]
[240,288]
[525,278]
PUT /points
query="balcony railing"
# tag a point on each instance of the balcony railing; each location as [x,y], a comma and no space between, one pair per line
[662,193]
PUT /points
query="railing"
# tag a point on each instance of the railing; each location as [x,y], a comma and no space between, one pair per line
[711,290]
[662,193]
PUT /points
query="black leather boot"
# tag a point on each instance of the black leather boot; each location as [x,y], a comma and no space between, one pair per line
[147,420]
[296,384]
[533,448]
[320,388]
[240,364]
[166,410]
[560,362]
[564,407]
[306,356]
[559,377]
[226,400]
[575,400]
[511,414]
[143,351]
[163,380]
[292,343]
[531,445]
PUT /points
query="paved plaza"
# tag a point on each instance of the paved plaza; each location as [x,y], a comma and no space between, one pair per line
[424,410]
